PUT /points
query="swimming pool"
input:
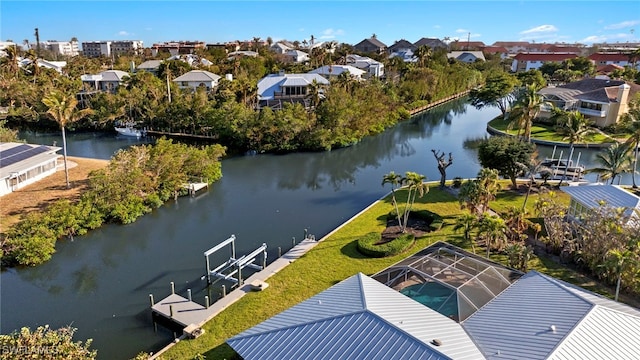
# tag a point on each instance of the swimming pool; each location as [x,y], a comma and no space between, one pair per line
[437,297]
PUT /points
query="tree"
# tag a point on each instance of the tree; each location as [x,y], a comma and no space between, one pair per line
[614,161]
[466,222]
[442,165]
[7,135]
[45,344]
[532,77]
[492,229]
[393,179]
[631,122]
[534,168]
[415,185]
[526,109]
[574,126]
[63,109]
[476,194]
[423,53]
[505,154]
[617,262]
[497,91]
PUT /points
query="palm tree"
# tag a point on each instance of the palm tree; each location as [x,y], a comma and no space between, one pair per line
[63,109]
[314,93]
[416,186]
[492,228]
[632,124]
[393,179]
[575,127]
[532,169]
[614,161]
[617,262]
[489,186]
[467,222]
[526,109]
[11,59]
[423,53]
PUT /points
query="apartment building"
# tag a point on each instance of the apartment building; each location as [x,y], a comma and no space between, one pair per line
[112,47]
[66,48]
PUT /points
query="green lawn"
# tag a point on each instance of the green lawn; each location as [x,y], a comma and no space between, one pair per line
[547,132]
[335,259]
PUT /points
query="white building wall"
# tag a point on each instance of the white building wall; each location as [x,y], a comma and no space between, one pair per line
[6,186]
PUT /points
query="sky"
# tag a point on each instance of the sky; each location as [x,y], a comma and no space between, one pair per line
[583,21]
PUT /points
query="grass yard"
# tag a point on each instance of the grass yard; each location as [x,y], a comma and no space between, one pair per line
[336,258]
[547,132]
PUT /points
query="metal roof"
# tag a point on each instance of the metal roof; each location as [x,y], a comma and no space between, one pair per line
[540,317]
[613,195]
[113,75]
[150,64]
[268,85]
[337,70]
[361,318]
[197,75]
[19,158]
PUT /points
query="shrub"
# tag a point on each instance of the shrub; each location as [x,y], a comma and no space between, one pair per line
[457,182]
[371,245]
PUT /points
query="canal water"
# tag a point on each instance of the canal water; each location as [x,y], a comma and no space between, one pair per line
[100,283]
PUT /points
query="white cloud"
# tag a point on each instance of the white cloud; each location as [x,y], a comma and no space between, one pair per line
[436,26]
[459,31]
[476,35]
[540,29]
[331,33]
[124,33]
[620,37]
[622,25]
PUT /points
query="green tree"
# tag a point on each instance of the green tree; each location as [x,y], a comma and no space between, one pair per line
[493,230]
[526,109]
[497,91]
[631,123]
[467,222]
[532,77]
[63,109]
[423,53]
[7,135]
[614,161]
[574,126]
[505,154]
[394,180]
[534,168]
[415,185]
[617,262]
[46,344]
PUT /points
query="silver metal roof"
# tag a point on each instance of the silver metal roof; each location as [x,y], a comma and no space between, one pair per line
[359,318]
[337,70]
[591,195]
[197,75]
[540,317]
[268,85]
[27,163]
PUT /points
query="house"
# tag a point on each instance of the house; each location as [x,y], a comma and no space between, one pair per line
[280,48]
[466,56]
[602,101]
[329,71]
[466,45]
[371,45]
[619,59]
[195,79]
[433,43]
[446,303]
[105,81]
[514,47]
[296,56]
[533,61]
[177,47]
[605,71]
[151,66]
[499,50]
[240,54]
[276,89]
[401,45]
[585,199]
[406,55]
[372,67]
[47,64]
[24,164]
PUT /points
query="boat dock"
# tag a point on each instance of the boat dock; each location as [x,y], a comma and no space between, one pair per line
[195,187]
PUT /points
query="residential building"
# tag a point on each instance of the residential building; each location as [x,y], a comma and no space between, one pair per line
[401,45]
[600,100]
[466,45]
[66,48]
[24,164]
[241,53]
[466,56]
[195,79]
[533,61]
[6,44]
[296,56]
[514,47]
[499,50]
[280,48]
[406,55]
[112,48]
[373,68]
[276,89]
[447,303]
[611,58]
[105,81]
[433,43]
[371,45]
[618,46]
[330,71]
[177,47]
[589,198]
[151,66]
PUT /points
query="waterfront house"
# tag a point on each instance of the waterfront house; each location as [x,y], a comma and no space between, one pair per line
[533,61]
[466,56]
[105,81]
[329,71]
[371,45]
[588,198]
[276,89]
[24,164]
[195,79]
[446,303]
[373,67]
[602,101]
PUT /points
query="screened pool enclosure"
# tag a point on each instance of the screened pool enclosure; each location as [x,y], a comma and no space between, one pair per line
[452,281]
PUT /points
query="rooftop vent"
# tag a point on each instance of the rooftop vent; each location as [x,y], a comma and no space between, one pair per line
[552,328]
[436,342]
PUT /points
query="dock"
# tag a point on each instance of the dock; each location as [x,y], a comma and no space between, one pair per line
[195,187]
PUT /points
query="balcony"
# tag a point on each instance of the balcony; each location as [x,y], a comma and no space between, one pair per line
[592,112]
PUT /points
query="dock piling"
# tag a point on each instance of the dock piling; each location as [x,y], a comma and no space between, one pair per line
[189,294]
[293,240]
[279,252]
[151,298]
[173,288]
[171,310]
[224,291]
[206,301]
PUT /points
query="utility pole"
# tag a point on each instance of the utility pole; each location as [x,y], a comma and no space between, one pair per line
[37,43]
[468,40]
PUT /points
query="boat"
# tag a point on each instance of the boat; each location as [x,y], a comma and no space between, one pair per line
[129,131]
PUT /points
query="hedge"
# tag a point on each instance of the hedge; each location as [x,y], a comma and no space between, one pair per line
[370,245]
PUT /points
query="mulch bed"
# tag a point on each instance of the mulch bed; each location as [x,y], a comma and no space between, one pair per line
[417,227]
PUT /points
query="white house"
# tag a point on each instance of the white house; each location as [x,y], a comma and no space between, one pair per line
[618,59]
[372,67]
[585,199]
[197,78]
[275,89]
[533,61]
[297,56]
[24,164]
[329,71]
[280,48]
[151,66]
[47,64]
[466,56]
[105,81]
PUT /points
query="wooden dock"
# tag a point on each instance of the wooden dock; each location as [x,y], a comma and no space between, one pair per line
[195,187]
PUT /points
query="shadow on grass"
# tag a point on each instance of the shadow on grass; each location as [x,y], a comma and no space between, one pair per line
[222,351]
[351,250]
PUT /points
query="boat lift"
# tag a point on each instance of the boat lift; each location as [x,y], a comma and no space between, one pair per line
[233,266]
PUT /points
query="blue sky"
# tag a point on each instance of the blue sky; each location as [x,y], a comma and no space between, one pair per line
[343,21]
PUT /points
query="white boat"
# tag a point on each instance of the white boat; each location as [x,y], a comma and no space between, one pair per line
[129,131]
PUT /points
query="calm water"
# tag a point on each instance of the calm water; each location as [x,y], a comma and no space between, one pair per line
[100,283]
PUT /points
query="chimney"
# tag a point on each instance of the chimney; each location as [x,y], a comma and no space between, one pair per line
[623,93]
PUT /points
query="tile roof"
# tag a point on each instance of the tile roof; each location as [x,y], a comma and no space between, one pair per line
[347,319]
[495,49]
[197,75]
[511,43]
[608,57]
[544,56]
